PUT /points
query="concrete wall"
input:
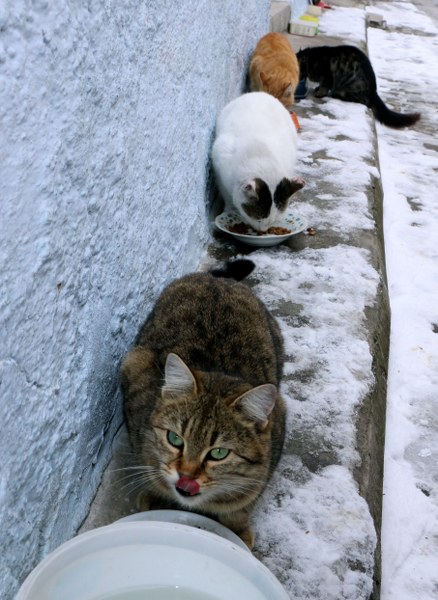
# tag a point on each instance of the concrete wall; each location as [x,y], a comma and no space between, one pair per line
[107,110]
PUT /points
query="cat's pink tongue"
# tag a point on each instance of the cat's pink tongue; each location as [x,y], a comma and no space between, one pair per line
[190,486]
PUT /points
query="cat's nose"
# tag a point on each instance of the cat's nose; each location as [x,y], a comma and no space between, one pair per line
[187,486]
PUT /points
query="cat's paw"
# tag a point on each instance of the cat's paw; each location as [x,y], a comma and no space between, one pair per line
[248,537]
[238,523]
[320,92]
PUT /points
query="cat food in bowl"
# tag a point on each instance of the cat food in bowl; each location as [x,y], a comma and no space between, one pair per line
[285,227]
[157,560]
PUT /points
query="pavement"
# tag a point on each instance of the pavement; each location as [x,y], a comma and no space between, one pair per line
[319,523]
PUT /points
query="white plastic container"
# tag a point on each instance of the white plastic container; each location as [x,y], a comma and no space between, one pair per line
[306,28]
[153,560]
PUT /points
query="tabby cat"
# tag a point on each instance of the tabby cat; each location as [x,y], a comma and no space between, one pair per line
[345,72]
[203,410]
[274,68]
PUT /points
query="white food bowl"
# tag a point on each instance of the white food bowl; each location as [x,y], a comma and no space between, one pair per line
[289,220]
[155,560]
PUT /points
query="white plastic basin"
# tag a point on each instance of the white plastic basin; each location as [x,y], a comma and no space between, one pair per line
[153,560]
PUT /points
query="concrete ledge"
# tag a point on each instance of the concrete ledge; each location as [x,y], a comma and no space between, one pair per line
[280,16]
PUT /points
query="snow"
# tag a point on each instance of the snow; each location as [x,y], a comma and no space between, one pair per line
[346,23]
[318,534]
[327,341]
[328,138]
[406,66]
[314,530]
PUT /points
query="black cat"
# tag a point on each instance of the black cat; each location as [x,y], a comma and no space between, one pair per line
[345,72]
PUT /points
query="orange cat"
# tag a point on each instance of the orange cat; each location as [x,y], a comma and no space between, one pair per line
[274,68]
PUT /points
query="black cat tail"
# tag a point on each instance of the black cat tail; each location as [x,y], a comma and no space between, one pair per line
[391,118]
[234,269]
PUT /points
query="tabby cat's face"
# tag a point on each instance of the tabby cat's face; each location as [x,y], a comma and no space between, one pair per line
[205,451]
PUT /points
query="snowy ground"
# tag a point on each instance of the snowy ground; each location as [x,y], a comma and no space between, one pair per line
[306,537]
[407,67]
[314,530]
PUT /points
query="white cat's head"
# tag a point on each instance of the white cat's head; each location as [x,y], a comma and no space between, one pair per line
[259,206]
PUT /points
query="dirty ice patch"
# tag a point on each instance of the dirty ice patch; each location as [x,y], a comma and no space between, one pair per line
[345,23]
[336,147]
[315,533]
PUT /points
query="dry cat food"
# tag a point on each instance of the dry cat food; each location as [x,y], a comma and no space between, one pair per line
[245,229]
[242,228]
[278,230]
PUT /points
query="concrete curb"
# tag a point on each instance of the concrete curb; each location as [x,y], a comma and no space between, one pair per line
[280,16]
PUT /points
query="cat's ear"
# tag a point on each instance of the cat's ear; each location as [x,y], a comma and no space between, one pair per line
[177,376]
[257,404]
[263,78]
[250,187]
[296,183]
[288,91]
[285,189]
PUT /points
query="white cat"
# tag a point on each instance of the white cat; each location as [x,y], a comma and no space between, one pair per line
[254,156]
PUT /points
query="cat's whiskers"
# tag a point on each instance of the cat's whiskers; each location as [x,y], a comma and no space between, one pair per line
[134,486]
[139,482]
[232,489]
[142,475]
[136,469]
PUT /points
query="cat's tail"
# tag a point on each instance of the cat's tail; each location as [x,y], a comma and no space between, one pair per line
[389,117]
[234,269]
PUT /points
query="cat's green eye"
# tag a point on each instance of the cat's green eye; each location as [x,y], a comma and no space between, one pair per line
[219,453]
[174,439]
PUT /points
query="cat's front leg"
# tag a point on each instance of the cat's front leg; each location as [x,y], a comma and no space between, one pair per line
[238,522]
[248,537]
[143,502]
[321,91]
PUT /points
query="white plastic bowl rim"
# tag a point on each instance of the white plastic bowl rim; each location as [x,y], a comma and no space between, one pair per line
[146,556]
[185,517]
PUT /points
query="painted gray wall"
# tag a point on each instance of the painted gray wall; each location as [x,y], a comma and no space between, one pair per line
[107,111]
